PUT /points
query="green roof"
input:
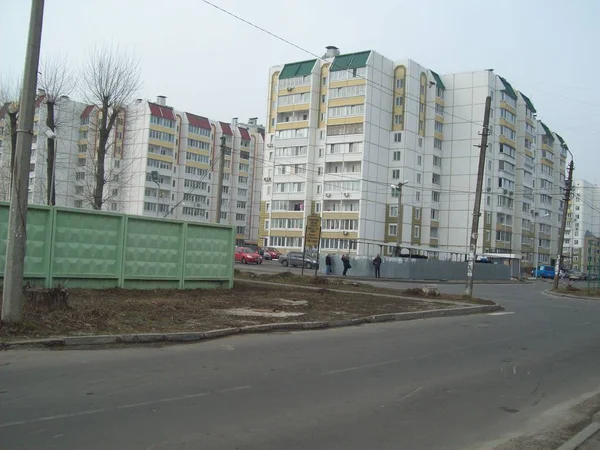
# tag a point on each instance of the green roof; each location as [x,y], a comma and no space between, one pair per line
[350,61]
[562,141]
[547,130]
[529,104]
[508,89]
[438,79]
[297,69]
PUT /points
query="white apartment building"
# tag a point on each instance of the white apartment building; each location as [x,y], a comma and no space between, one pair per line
[175,164]
[160,163]
[74,157]
[343,128]
[583,219]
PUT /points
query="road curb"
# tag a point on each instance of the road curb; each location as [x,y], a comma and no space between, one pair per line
[579,297]
[192,336]
[580,438]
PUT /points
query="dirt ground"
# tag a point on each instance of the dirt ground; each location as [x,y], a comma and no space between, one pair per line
[346,285]
[580,291]
[116,311]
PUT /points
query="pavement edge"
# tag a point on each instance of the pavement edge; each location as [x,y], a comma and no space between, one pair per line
[583,436]
[194,336]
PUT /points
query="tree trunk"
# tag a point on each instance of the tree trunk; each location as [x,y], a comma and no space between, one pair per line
[12,117]
[101,156]
[51,183]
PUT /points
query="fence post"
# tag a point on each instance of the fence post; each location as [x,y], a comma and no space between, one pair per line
[182,247]
[122,252]
[50,242]
[231,256]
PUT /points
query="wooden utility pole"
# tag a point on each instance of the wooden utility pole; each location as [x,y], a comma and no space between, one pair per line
[563,222]
[17,217]
[220,185]
[478,191]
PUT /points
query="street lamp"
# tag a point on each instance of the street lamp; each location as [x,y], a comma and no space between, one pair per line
[399,217]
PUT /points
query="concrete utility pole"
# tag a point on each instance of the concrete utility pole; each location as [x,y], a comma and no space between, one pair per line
[477,206]
[220,185]
[400,214]
[17,217]
[563,222]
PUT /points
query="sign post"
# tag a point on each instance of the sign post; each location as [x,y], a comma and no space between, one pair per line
[312,234]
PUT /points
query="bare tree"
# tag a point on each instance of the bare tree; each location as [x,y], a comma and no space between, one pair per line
[110,79]
[56,81]
[10,94]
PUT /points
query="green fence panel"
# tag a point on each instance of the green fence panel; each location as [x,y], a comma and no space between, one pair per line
[208,252]
[38,225]
[152,249]
[86,244]
[96,249]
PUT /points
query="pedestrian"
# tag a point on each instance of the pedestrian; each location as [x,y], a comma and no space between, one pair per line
[346,261]
[328,265]
[377,264]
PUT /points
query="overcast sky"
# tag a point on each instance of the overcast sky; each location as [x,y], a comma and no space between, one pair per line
[211,64]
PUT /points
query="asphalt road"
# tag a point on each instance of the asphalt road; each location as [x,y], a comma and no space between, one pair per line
[449,383]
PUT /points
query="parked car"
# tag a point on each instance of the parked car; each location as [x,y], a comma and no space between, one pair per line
[271,253]
[294,259]
[246,255]
[543,272]
[577,276]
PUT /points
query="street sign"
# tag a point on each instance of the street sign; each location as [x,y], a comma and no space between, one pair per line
[313,231]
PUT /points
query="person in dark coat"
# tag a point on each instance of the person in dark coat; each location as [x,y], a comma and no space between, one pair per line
[346,261]
[328,263]
[377,265]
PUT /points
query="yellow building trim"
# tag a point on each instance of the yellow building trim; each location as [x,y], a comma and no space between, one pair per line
[423,101]
[357,100]
[505,140]
[508,107]
[435,223]
[529,153]
[163,129]
[342,83]
[82,155]
[503,228]
[546,162]
[294,107]
[438,135]
[345,120]
[529,121]
[198,151]
[286,233]
[339,214]
[294,90]
[292,125]
[169,145]
[198,165]
[160,157]
[547,148]
[82,142]
[563,157]
[507,124]
[439,101]
[399,74]
[199,137]
[324,91]
[339,234]
[243,173]
[439,118]
[287,215]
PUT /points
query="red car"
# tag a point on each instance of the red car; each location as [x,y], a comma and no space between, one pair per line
[247,256]
[271,253]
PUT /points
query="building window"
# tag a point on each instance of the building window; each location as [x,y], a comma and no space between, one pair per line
[419,178]
[397,137]
[419,160]
[399,101]
[396,174]
[416,232]
[417,213]
[393,211]
[435,196]
[392,229]
[396,156]
[420,141]
[397,119]
[418,196]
